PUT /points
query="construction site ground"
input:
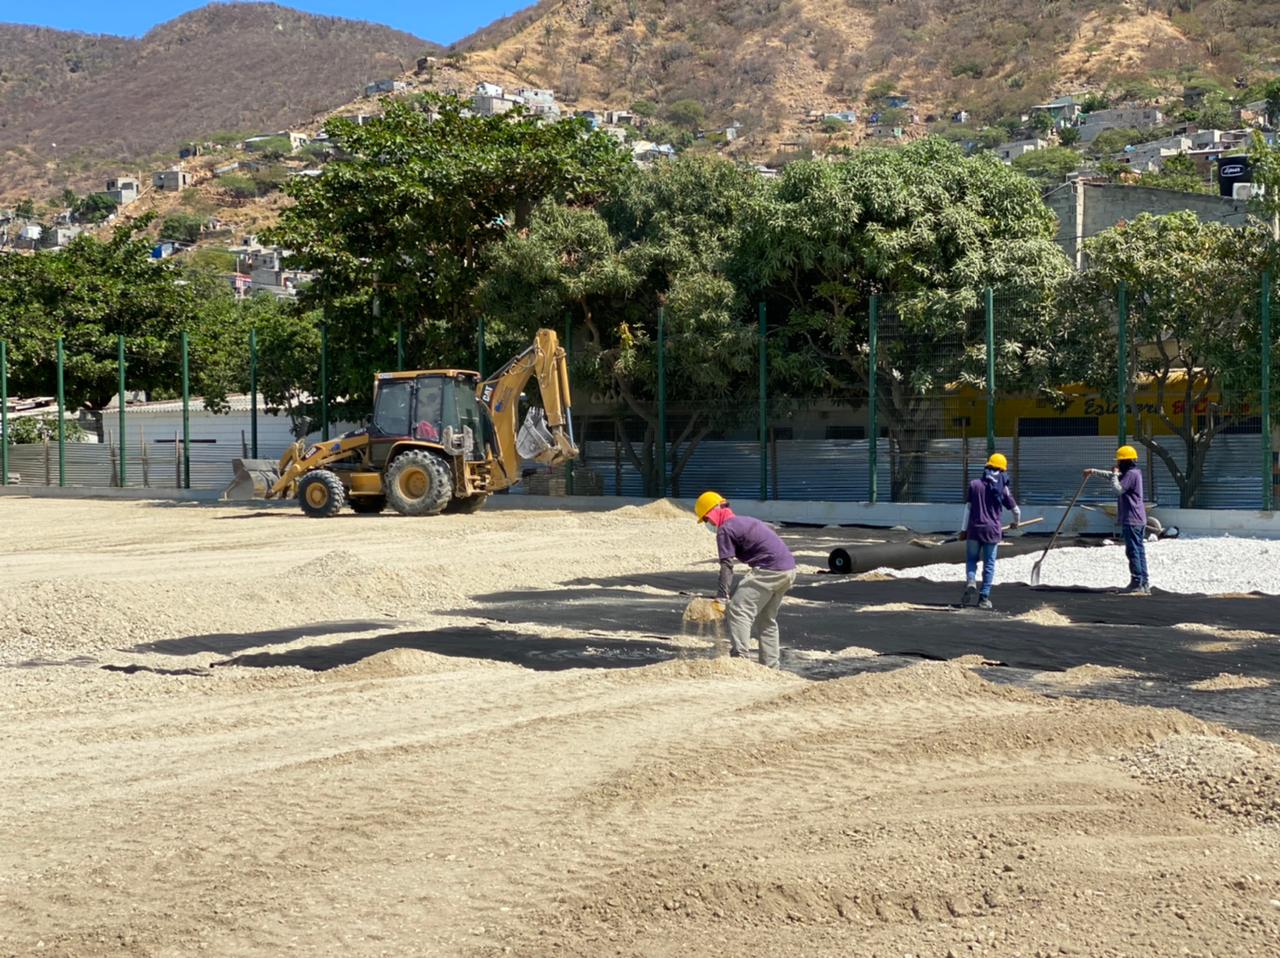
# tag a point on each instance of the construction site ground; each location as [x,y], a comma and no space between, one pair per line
[238,731]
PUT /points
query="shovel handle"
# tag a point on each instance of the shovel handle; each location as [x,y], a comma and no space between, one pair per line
[1063,521]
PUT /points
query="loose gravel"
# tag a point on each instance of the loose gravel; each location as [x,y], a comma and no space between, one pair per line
[1210,565]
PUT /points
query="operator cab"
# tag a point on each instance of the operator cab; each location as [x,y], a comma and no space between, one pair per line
[431,407]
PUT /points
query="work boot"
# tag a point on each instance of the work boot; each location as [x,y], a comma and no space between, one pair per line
[984,603]
[1134,586]
[970,593]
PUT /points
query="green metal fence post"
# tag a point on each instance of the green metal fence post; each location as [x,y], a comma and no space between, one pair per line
[1265,316]
[568,353]
[253,393]
[186,411]
[1122,359]
[120,401]
[400,346]
[480,347]
[662,403]
[62,411]
[4,414]
[873,426]
[324,381]
[989,297]
[763,416]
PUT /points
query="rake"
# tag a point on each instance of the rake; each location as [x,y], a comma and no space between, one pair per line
[1035,569]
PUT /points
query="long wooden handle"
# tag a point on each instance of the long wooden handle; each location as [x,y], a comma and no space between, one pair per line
[1063,521]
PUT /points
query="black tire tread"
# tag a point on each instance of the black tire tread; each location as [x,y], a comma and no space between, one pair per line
[467,505]
[439,493]
[337,495]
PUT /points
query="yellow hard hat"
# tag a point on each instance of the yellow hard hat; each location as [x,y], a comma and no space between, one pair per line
[706,502]
[1126,452]
[997,461]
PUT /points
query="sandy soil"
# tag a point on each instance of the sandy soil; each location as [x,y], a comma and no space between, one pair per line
[415,803]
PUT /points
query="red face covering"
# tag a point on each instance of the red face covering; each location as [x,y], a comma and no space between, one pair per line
[719,516]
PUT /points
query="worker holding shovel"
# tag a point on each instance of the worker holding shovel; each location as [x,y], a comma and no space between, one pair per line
[981,529]
[1131,515]
[753,610]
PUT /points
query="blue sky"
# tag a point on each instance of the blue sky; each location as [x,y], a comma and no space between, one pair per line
[440,20]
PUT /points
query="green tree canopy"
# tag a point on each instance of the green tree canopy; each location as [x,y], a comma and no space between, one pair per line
[927,229]
[1049,166]
[668,240]
[1193,324]
[406,213]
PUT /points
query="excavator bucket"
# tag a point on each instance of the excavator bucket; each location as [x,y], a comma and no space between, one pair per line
[534,440]
[253,479]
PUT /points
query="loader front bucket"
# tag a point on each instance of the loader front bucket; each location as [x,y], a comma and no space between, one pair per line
[253,479]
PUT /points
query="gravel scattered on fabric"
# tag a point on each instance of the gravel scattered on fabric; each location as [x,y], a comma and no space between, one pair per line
[1213,565]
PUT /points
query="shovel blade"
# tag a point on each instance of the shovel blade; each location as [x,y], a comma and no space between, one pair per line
[1035,574]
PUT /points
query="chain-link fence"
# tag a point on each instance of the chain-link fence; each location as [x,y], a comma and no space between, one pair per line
[905,405]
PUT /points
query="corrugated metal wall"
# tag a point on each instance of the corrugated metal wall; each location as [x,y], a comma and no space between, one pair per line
[1045,470]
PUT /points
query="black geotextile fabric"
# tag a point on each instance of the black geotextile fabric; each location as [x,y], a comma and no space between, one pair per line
[1111,630]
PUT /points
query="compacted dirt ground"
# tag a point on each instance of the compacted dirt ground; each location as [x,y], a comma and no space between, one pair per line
[155,802]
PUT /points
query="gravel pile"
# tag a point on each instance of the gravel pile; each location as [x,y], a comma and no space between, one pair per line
[1210,565]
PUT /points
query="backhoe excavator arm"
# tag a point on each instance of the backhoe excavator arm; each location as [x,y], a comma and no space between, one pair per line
[500,395]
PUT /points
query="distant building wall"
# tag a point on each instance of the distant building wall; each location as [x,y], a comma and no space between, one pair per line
[1086,209]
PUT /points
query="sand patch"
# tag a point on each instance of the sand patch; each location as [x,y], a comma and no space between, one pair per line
[1085,675]
[659,509]
[1045,615]
[874,577]
[1225,681]
[851,652]
[398,663]
[720,667]
[1235,635]
[930,681]
[703,611]
[900,607]
[1191,758]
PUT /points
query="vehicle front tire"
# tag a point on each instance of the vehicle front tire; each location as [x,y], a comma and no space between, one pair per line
[418,484]
[320,494]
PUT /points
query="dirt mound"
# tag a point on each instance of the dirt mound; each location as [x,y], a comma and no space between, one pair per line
[348,573]
[398,663]
[1045,615]
[659,509]
[1227,680]
[1233,635]
[1191,758]
[722,667]
[38,617]
[1226,777]
[925,680]
[1085,675]
[851,652]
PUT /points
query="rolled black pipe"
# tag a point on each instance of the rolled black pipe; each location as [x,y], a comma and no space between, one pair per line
[892,555]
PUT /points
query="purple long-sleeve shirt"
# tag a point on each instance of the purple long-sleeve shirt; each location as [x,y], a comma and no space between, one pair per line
[1129,508]
[988,498]
[748,540]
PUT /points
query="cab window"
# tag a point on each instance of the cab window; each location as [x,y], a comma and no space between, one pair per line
[391,413]
[428,410]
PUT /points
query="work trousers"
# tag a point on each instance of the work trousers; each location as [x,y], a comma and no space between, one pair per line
[753,611]
[986,551]
[1135,550]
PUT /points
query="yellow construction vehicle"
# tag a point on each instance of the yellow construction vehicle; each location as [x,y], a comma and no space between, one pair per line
[439,440]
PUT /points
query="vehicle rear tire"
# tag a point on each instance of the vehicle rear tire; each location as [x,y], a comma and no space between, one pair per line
[467,504]
[320,494]
[418,484]
[368,505]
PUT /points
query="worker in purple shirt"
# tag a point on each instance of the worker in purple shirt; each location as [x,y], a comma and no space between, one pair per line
[1131,515]
[753,610]
[982,530]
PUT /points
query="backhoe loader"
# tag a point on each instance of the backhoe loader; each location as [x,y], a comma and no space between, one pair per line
[439,440]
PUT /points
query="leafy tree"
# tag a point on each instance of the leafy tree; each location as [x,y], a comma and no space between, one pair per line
[239,186]
[405,216]
[669,240]
[1068,136]
[927,229]
[1215,113]
[1042,121]
[94,208]
[89,292]
[645,109]
[34,429]
[1113,141]
[1193,322]
[69,197]
[686,113]
[1265,161]
[25,210]
[288,356]
[1049,166]
[1271,93]
[1178,173]
[182,227]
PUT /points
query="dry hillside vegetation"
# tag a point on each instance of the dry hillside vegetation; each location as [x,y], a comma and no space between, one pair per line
[223,68]
[766,62]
